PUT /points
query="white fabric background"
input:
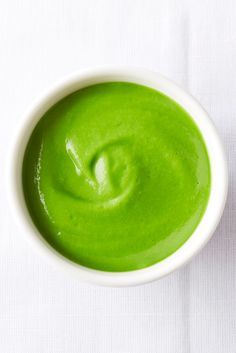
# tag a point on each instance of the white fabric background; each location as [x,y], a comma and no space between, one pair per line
[194,309]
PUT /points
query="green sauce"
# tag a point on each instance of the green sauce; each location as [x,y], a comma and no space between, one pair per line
[116,176]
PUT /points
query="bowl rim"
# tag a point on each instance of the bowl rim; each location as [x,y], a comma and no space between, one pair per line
[218,165]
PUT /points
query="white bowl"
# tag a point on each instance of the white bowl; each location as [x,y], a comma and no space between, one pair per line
[219,176]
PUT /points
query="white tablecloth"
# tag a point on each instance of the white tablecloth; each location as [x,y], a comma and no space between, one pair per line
[194,309]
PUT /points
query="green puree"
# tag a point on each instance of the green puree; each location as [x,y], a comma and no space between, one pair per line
[116,176]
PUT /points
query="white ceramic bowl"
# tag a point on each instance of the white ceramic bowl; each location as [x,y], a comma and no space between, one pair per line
[219,177]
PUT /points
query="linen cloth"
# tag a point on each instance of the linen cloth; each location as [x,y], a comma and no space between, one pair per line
[192,310]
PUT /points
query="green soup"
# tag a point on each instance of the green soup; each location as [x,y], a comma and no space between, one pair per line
[116,176]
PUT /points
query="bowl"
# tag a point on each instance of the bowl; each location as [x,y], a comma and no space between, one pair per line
[218,165]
